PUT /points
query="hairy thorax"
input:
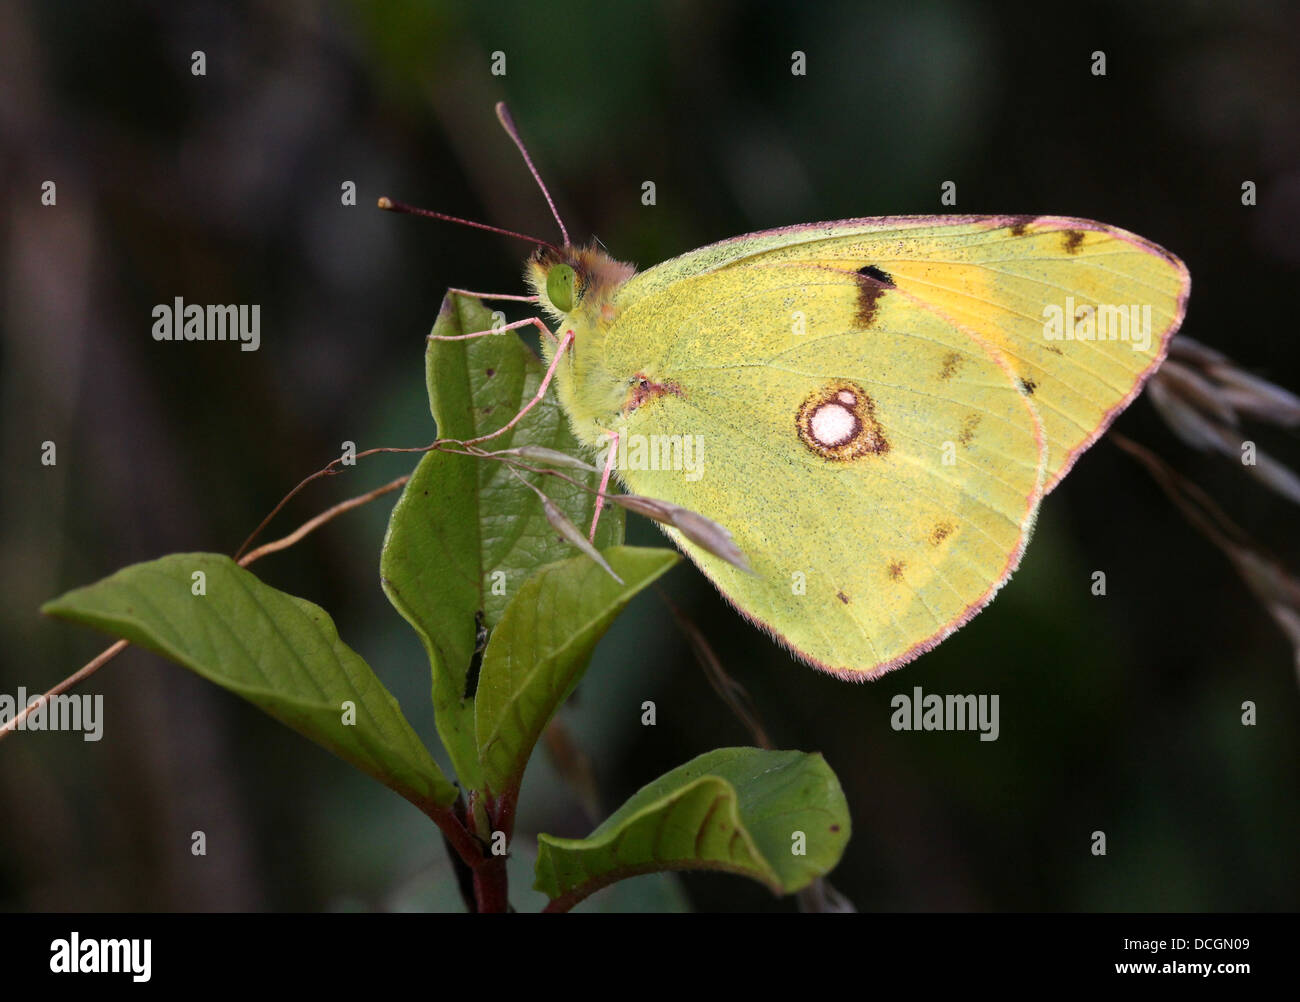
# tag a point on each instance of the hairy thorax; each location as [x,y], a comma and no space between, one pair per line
[594,397]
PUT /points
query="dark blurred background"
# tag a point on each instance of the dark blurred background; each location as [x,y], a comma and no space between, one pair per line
[1119,714]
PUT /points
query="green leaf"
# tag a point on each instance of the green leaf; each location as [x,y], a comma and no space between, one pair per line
[541,648]
[466,533]
[734,809]
[280,652]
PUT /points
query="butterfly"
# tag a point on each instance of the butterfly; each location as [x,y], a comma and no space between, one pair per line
[873,408]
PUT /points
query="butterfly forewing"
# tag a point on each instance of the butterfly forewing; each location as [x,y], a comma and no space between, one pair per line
[1081,311]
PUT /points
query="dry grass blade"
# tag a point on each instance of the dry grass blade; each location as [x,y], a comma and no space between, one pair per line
[1273,584]
[548,457]
[1204,396]
[731,692]
[701,531]
[561,524]
[573,765]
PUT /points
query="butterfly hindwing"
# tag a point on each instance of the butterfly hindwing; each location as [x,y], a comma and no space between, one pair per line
[879,466]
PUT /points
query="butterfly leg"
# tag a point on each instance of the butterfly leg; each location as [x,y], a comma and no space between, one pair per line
[604,481]
[541,392]
[493,330]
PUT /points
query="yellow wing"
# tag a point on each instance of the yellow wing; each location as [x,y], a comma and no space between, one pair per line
[878,465]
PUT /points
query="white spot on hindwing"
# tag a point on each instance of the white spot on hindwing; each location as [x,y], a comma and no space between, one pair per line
[833,424]
[838,422]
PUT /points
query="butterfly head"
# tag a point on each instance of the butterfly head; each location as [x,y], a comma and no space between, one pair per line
[575,280]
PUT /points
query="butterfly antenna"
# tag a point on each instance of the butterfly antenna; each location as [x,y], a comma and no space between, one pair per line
[410,210]
[508,123]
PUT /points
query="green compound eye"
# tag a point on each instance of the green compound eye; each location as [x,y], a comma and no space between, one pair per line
[560,287]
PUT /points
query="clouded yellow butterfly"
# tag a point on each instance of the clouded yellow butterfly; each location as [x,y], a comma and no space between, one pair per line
[873,407]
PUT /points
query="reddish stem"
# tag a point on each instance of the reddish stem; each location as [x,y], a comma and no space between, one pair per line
[461,839]
[502,810]
[491,885]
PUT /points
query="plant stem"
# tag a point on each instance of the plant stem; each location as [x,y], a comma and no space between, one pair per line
[491,886]
[454,831]
[503,810]
[490,880]
[463,871]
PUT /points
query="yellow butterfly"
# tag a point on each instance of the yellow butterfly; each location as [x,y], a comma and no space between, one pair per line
[873,407]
